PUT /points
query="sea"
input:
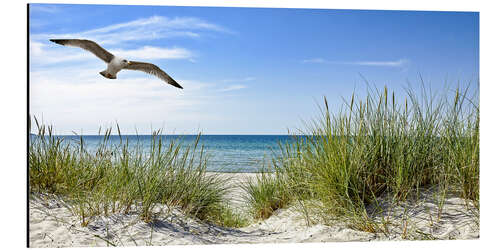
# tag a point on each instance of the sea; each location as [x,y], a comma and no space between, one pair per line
[226,153]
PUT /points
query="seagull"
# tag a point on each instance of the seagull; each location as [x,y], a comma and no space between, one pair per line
[115,64]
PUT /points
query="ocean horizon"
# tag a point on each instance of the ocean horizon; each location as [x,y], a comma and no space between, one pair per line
[226,153]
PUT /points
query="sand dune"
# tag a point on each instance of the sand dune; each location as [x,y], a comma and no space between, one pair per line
[53,225]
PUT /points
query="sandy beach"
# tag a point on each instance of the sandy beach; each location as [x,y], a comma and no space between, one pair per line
[53,225]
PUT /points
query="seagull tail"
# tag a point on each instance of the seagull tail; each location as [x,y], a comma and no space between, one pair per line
[107,75]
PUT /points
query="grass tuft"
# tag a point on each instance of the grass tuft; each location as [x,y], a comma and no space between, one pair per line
[265,195]
[123,178]
[375,146]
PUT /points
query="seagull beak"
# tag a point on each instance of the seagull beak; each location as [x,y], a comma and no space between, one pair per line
[129,63]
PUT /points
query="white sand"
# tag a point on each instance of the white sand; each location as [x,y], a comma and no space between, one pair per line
[53,225]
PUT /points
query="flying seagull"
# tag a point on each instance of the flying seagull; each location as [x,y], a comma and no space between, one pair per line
[115,64]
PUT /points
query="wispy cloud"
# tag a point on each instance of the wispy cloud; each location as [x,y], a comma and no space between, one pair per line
[236,86]
[42,8]
[46,54]
[396,63]
[114,38]
[151,28]
[316,60]
[150,52]
[85,98]
[244,79]
[233,87]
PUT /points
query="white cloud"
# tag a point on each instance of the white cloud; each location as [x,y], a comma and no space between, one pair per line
[396,63]
[236,86]
[74,96]
[150,52]
[43,53]
[156,27]
[36,48]
[42,8]
[233,87]
[151,28]
[244,79]
[82,99]
[316,60]
[50,53]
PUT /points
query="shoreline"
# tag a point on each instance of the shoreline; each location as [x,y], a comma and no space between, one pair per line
[53,225]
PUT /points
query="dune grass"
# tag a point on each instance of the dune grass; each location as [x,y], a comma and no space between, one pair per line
[342,163]
[123,178]
[376,146]
[265,194]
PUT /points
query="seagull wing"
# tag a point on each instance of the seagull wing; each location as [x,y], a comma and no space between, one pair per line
[86,45]
[153,70]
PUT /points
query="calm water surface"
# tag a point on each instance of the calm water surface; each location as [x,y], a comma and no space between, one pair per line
[227,153]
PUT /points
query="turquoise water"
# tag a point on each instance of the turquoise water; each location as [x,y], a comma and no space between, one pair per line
[227,153]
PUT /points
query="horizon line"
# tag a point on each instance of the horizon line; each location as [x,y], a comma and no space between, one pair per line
[152,134]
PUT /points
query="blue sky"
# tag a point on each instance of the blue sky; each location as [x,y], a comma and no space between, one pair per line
[244,70]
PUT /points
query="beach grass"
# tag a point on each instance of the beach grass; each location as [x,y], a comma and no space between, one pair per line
[128,179]
[337,168]
[265,194]
[377,146]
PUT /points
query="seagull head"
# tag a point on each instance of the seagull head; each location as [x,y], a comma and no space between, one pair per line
[124,62]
